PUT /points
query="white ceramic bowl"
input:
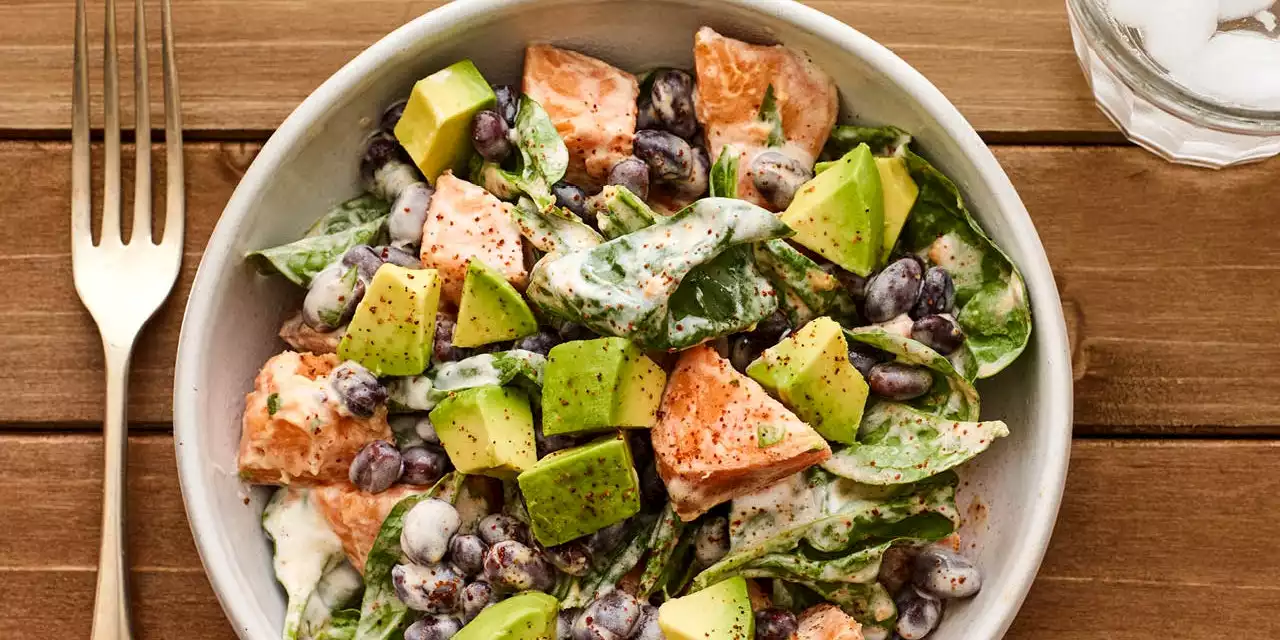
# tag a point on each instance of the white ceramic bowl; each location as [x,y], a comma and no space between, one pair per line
[312,162]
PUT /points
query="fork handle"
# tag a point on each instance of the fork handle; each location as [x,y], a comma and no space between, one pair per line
[111,605]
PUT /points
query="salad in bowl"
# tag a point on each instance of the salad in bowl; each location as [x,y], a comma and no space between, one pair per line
[631,354]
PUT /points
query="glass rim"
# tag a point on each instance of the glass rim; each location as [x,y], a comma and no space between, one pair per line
[1140,74]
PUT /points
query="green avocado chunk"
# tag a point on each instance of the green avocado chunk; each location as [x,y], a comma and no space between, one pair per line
[436,126]
[719,612]
[840,212]
[491,309]
[487,430]
[593,385]
[900,193]
[394,326]
[811,373]
[577,491]
[531,615]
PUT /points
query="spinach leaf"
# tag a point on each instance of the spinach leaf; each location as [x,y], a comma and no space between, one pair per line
[306,549]
[897,444]
[952,397]
[870,604]
[604,576]
[543,155]
[382,614]
[494,179]
[769,113]
[991,296]
[724,173]
[662,547]
[352,213]
[844,539]
[301,260]
[634,286]
[517,366]
[342,626]
[624,212]
[552,229]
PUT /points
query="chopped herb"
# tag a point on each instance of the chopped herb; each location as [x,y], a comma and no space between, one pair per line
[273,404]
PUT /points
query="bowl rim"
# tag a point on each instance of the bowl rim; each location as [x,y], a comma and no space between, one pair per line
[217,553]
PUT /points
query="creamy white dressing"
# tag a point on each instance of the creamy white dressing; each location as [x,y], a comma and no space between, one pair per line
[413,392]
[900,325]
[962,261]
[305,546]
[476,371]
[299,399]
[765,513]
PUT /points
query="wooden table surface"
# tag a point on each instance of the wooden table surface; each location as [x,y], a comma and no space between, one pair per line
[1170,280]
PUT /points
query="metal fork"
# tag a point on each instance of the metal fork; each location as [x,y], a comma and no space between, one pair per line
[122,284]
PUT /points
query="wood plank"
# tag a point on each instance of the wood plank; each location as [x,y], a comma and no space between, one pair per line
[1171,330]
[240,74]
[1133,557]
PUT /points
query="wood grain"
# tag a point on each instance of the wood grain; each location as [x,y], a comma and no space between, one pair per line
[1155,540]
[246,64]
[1166,275]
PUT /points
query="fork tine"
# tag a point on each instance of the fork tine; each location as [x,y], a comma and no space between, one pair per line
[111,133]
[81,195]
[142,128]
[175,193]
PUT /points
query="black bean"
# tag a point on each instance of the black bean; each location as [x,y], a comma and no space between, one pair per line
[540,342]
[391,116]
[426,430]
[570,331]
[894,290]
[773,329]
[376,467]
[365,259]
[511,566]
[564,623]
[939,333]
[428,526]
[864,357]
[671,102]
[508,102]
[433,628]
[918,614]
[466,552]
[937,294]
[380,149]
[669,157]
[897,381]
[631,172]
[332,298]
[571,197]
[607,539]
[489,135]
[647,628]
[775,624]
[398,256]
[711,540]
[443,349]
[778,176]
[573,557]
[612,616]
[408,214]
[500,527]
[424,466]
[743,350]
[551,444]
[855,284]
[435,588]
[943,573]
[476,597]
[653,491]
[695,186]
[357,388]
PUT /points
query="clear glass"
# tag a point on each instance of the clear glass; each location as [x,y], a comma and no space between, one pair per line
[1156,112]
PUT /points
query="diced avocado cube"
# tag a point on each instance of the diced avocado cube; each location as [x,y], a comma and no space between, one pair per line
[436,126]
[394,326]
[900,193]
[577,491]
[840,213]
[487,431]
[531,615]
[719,612]
[491,309]
[811,373]
[593,385]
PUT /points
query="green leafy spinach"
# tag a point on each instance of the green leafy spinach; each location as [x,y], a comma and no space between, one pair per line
[301,260]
